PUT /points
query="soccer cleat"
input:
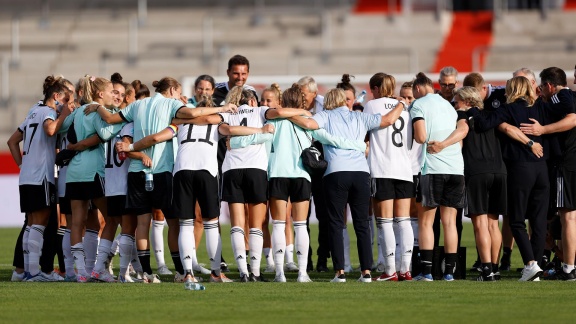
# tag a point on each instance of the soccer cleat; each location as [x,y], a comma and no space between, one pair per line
[259,278]
[386,277]
[424,277]
[561,275]
[448,277]
[103,276]
[108,265]
[365,278]
[222,278]
[163,270]
[405,276]
[40,277]
[82,278]
[179,278]
[18,277]
[270,269]
[477,266]
[55,276]
[125,279]
[291,267]
[131,271]
[483,277]
[348,269]
[280,278]
[339,279]
[71,278]
[224,267]
[244,278]
[303,277]
[504,266]
[497,275]
[151,278]
[201,269]
[531,273]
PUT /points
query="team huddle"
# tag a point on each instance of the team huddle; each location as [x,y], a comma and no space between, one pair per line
[401,165]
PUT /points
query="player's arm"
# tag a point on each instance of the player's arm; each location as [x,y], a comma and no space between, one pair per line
[105,114]
[304,122]
[564,124]
[164,135]
[85,143]
[227,130]
[51,127]
[243,141]
[200,121]
[419,130]
[322,136]
[14,146]
[516,134]
[185,112]
[146,160]
[391,117]
[456,136]
[286,113]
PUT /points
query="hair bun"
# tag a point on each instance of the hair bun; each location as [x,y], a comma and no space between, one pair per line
[346,78]
[155,84]
[116,78]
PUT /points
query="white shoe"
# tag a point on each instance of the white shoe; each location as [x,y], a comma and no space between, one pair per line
[103,276]
[125,279]
[17,277]
[201,269]
[151,278]
[531,272]
[163,270]
[339,279]
[131,271]
[303,277]
[291,266]
[280,278]
[40,277]
[179,278]
[365,278]
[55,276]
[270,269]
[348,269]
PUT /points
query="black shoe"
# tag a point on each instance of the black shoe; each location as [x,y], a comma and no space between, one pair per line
[310,266]
[497,275]
[561,275]
[224,267]
[254,278]
[477,267]
[504,266]
[249,268]
[484,277]
[321,265]
[244,278]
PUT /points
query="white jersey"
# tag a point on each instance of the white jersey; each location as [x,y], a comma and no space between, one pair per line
[197,148]
[416,157]
[252,156]
[39,149]
[389,155]
[116,170]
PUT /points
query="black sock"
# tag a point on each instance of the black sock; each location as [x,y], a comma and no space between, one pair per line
[222,259]
[144,257]
[177,262]
[426,261]
[547,255]
[486,269]
[494,267]
[506,256]
[450,262]
[59,252]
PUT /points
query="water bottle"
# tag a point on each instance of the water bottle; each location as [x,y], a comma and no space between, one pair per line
[122,156]
[360,97]
[189,285]
[149,184]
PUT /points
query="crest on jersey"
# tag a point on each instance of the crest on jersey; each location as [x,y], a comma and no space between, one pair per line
[496,103]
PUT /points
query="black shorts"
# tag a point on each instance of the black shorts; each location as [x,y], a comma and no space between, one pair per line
[37,197]
[566,189]
[116,206]
[65,207]
[297,189]
[139,201]
[386,189]
[487,194]
[191,186]
[245,186]
[85,190]
[441,190]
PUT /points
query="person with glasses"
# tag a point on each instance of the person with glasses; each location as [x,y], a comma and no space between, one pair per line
[448,81]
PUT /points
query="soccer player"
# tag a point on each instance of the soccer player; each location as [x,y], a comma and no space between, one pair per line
[391,173]
[442,175]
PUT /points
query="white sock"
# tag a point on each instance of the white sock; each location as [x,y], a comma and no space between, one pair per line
[302,243]
[157,242]
[256,241]
[79,258]
[289,255]
[347,262]
[25,249]
[414,224]
[239,249]
[115,245]
[406,242]
[388,244]
[279,244]
[103,252]
[90,249]
[397,253]
[568,268]
[213,245]
[125,245]
[68,258]
[187,244]
[35,241]
[135,259]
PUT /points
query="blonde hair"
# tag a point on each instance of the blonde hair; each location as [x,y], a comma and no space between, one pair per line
[205,101]
[239,96]
[294,97]
[388,86]
[471,96]
[90,87]
[334,98]
[275,89]
[519,88]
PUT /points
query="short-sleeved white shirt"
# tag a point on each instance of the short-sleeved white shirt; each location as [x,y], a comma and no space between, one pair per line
[197,148]
[116,170]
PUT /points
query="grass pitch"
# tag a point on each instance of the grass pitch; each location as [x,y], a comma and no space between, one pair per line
[320,301]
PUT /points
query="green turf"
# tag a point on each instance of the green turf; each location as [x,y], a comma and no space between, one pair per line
[320,301]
